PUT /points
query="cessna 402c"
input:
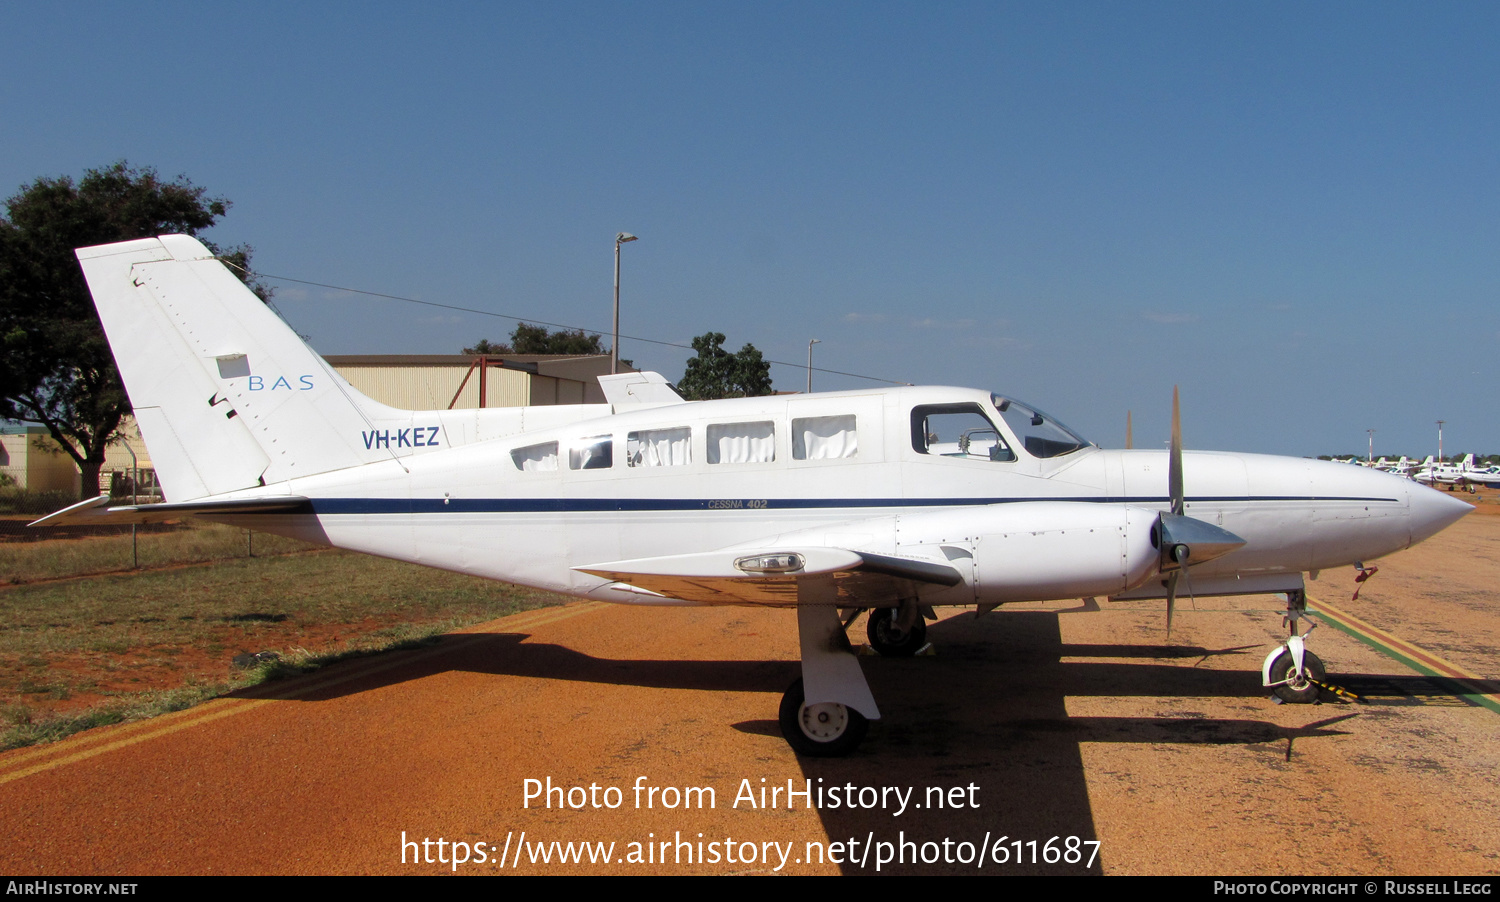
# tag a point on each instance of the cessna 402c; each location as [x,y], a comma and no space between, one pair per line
[890,501]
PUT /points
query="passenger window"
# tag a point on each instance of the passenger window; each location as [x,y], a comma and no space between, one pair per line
[742,443]
[824,438]
[535,458]
[593,453]
[957,430]
[659,447]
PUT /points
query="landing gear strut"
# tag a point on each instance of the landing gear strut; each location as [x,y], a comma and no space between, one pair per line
[1292,672]
[825,713]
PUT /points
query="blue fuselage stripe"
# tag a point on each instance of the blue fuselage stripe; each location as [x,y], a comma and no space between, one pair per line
[571,505]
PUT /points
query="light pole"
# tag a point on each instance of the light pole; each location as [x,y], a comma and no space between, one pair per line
[815,341]
[614,347]
[1440,441]
[1370,455]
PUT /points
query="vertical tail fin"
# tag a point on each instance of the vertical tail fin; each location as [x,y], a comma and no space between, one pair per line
[226,395]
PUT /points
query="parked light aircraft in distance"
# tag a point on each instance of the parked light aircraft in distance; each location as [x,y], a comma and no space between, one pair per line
[889,501]
[1435,473]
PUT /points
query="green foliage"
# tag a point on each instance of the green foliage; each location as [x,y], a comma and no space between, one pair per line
[716,373]
[55,365]
[484,347]
[529,339]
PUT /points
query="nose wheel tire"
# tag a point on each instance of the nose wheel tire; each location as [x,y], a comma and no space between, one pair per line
[825,730]
[887,638]
[1302,688]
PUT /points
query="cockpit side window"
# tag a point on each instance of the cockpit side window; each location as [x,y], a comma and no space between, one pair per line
[1040,434]
[957,430]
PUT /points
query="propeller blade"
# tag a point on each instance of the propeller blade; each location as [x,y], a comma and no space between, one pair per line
[1175,493]
[1174,464]
[1171,599]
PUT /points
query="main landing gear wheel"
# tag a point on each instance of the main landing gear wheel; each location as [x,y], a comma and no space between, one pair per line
[1303,688]
[887,637]
[827,730]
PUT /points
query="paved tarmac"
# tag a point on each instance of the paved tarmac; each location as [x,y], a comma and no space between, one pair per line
[1060,738]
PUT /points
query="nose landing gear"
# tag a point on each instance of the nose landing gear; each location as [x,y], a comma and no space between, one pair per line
[1290,671]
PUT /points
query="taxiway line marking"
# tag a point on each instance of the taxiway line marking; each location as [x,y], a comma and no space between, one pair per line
[1413,656]
[229,708]
[92,743]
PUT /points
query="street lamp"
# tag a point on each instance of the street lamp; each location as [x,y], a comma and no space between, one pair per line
[815,341]
[614,347]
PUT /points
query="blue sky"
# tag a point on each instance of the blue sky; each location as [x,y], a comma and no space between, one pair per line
[1289,209]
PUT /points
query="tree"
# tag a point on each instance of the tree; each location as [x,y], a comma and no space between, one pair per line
[529,339]
[716,373]
[56,367]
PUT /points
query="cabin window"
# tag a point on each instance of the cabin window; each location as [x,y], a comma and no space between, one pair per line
[824,438]
[659,447]
[535,458]
[957,430]
[593,453]
[742,443]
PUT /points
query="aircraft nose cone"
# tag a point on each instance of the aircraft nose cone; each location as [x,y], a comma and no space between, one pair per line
[1433,511]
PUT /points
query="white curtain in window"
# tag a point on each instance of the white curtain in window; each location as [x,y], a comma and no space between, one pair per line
[536,457]
[824,438]
[661,447]
[741,443]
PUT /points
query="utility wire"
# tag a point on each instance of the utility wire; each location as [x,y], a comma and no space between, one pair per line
[519,319]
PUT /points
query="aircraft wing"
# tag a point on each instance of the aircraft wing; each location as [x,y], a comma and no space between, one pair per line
[776,576]
[97,512]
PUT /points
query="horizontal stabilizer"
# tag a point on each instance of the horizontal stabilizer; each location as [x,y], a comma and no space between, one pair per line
[638,390]
[96,512]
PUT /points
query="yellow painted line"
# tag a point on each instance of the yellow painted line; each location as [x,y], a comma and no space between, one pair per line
[539,617]
[320,681]
[1416,657]
[107,739]
[239,706]
[105,734]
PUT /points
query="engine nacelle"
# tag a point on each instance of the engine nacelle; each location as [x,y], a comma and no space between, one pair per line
[1036,551]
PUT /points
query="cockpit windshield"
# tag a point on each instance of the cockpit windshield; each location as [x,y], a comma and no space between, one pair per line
[1040,434]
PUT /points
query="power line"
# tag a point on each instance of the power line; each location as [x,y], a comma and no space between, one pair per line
[519,319]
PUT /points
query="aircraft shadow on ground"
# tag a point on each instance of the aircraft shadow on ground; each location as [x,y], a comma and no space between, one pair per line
[1004,653]
[988,710]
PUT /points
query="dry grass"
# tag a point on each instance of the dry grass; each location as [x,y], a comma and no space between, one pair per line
[25,562]
[77,653]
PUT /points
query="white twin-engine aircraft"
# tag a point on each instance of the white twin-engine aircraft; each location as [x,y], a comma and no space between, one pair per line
[890,501]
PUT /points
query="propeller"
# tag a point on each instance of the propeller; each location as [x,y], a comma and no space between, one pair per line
[1178,554]
[1184,539]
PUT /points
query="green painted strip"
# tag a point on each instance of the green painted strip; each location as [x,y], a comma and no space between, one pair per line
[1460,690]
